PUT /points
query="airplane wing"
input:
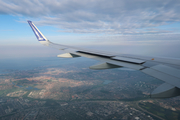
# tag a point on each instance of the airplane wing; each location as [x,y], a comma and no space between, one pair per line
[165,69]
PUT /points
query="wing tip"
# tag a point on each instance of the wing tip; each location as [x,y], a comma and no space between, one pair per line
[29,21]
[37,33]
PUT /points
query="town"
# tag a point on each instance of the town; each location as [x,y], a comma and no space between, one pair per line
[75,92]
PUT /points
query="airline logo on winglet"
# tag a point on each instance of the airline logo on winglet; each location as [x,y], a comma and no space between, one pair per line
[36,32]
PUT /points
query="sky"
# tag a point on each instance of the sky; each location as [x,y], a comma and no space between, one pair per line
[145,27]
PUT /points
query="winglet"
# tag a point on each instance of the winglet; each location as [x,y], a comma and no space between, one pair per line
[41,38]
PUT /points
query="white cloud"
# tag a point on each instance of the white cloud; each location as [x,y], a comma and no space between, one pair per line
[99,16]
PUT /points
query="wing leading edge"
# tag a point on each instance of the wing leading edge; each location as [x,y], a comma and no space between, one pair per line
[167,70]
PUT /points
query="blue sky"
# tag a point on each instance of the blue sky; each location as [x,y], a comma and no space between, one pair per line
[148,27]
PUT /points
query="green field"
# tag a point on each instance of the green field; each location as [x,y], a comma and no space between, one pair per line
[160,111]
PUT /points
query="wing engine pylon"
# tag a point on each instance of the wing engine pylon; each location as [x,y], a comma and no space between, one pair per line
[103,66]
[165,91]
[68,55]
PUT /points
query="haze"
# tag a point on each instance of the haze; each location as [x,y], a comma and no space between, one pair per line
[136,27]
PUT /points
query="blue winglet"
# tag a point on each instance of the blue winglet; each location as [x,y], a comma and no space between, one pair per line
[38,34]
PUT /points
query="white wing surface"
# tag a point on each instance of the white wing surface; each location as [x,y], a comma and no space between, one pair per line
[165,69]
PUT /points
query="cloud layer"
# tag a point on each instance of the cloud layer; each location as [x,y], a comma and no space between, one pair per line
[99,16]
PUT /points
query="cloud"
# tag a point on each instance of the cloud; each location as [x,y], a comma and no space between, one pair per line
[22,51]
[6,30]
[99,16]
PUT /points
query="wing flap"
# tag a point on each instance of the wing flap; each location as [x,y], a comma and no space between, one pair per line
[111,61]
